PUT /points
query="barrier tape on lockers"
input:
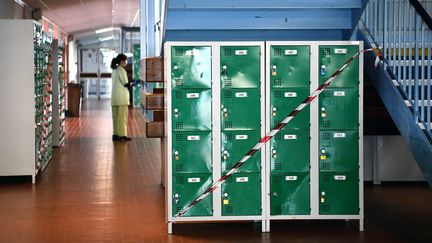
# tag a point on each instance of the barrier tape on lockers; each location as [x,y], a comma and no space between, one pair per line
[275,130]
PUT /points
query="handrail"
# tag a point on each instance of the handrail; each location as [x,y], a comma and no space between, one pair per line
[402,29]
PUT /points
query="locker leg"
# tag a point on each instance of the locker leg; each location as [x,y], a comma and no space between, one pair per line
[361,225]
[170,228]
[268,225]
[33,179]
[263,225]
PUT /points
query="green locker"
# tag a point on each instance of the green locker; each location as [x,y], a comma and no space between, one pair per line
[289,66]
[191,67]
[241,195]
[331,58]
[192,152]
[240,67]
[283,101]
[188,187]
[240,109]
[289,151]
[235,144]
[339,108]
[339,193]
[339,151]
[191,109]
[290,194]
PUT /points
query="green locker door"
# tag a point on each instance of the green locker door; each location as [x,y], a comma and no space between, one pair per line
[331,58]
[290,194]
[240,67]
[192,152]
[187,188]
[241,195]
[290,151]
[339,193]
[191,109]
[339,151]
[235,144]
[339,109]
[289,66]
[283,101]
[191,67]
[240,109]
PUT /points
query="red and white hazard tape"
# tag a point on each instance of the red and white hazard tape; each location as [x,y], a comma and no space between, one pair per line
[273,132]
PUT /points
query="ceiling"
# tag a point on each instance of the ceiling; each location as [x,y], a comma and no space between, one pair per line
[83,17]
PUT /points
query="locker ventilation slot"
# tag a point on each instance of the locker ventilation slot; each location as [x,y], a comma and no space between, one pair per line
[327,93]
[230,180]
[326,124]
[278,52]
[179,168]
[179,82]
[326,51]
[277,210]
[227,52]
[179,137]
[325,166]
[278,137]
[227,94]
[179,180]
[179,95]
[228,166]
[178,52]
[326,178]
[227,82]
[278,94]
[179,208]
[228,124]
[228,210]
[179,125]
[326,208]
[277,179]
[278,82]
[326,136]
[278,166]
[229,137]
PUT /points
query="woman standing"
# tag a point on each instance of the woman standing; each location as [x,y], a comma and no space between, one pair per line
[120,98]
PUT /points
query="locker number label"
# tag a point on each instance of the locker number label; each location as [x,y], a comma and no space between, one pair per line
[192,95]
[340,51]
[193,138]
[241,52]
[194,180]
[290,52]
[340,178]
[339,93]
[241,137]
[290,94]
[242,179]
[339,135]
[290,178]
[241,95]
[290,137]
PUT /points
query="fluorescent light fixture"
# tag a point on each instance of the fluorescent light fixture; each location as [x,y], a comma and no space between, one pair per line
[21,3]
[106,38]
[104,30]
[135,18]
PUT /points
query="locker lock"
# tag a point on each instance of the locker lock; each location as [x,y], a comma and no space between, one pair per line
[274,154]
[176,112]
[323,155]
[323,112]
[322,197]
[175,67]
[224,70]
[176,155]
[225,199]
[176,197]
[225,112]
[323,70]
[274,72]
[274,111]
[225,155]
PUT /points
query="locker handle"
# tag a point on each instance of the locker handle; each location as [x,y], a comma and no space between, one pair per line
[274,154]
[274,111]
[176,112]
[225,112]
[225,155]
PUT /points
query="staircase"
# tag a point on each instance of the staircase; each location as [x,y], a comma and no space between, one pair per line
[248,20]
[402,30]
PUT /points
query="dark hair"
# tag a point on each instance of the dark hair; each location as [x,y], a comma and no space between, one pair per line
[116,61]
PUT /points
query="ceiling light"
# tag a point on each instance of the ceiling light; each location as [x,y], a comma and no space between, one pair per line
[21,3]
[106,38]
[135,18]
[104,30]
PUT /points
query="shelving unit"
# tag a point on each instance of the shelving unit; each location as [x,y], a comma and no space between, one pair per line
[58,94]
[135,72]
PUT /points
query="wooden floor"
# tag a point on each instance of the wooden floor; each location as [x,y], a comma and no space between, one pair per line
[95,190]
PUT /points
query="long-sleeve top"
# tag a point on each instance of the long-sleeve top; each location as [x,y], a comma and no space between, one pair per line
[120,94]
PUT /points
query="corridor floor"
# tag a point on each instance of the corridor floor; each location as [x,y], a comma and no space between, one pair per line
[95,190]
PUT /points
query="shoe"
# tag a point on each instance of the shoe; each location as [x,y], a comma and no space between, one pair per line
[125,138]
[115,138]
